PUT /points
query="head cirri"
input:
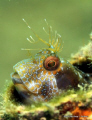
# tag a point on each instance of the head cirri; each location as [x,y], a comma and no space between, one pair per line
[46,75]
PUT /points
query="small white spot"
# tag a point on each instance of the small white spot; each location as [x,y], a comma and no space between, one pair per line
[29,27]
[62,68]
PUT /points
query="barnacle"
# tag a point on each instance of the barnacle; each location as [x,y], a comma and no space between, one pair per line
[54,44]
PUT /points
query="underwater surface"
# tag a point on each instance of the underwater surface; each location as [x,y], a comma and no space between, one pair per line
[71,19]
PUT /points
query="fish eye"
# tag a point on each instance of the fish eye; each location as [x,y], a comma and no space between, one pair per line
[51,63]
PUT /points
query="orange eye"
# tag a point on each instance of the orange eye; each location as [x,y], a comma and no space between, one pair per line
[51,63]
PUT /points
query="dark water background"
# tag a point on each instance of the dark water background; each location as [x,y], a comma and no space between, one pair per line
[71,18]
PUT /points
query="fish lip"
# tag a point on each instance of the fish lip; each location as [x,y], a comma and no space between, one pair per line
[18,82]
[16,78]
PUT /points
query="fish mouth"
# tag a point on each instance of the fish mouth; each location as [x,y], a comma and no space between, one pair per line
[16,78]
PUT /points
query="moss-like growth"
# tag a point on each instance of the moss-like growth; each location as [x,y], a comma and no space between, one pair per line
[83,58]
[14,109]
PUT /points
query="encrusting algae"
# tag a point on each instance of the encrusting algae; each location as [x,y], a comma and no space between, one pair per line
[48,87]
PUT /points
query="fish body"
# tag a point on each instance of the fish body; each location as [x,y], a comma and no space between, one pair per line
[45,76]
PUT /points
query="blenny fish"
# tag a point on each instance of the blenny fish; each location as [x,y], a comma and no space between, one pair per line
[46,75]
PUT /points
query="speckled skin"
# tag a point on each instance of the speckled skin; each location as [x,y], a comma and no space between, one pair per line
[35,83]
